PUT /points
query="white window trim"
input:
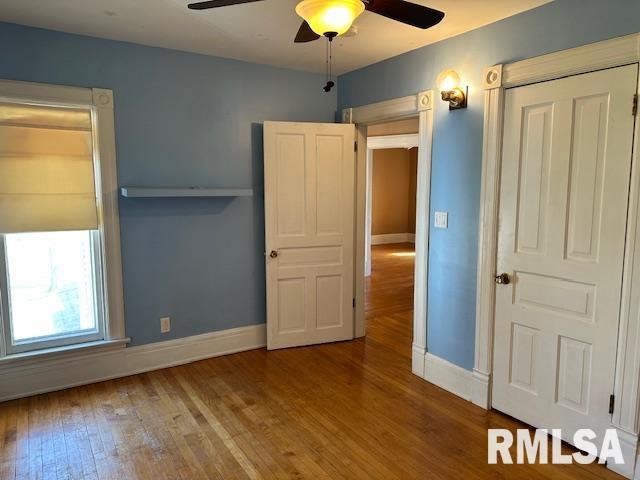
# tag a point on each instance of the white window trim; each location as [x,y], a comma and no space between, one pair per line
[496,79]
[100,101]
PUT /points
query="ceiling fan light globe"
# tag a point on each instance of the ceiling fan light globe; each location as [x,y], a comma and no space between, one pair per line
[324,16]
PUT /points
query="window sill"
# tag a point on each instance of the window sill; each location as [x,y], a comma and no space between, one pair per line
[57,353]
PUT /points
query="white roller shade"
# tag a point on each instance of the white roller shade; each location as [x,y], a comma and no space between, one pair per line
[46,169]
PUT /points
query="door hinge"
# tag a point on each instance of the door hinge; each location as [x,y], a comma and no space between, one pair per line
[355,146]
[612,402]
[354,303]
[635,105]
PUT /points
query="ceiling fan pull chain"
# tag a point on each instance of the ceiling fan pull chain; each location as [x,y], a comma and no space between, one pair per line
[326,54]
[330,84]
[330,57]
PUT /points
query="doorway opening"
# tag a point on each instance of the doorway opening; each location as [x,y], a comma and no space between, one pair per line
[390,223]
[417,110]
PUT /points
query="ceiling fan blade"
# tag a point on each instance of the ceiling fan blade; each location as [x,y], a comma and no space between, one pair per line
[305,34]
[217,3]
[406,12]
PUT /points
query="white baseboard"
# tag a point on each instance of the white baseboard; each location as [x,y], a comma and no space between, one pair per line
[629,447]
[417,360]
[393,238]
[636,468]
[21,380]
[480,394]
[448,376]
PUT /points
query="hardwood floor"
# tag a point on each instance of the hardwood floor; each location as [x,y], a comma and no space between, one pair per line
[389,289]
[389,298]
[349,410]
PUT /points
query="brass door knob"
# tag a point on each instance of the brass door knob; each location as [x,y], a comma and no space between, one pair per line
[273,254]
[503,279]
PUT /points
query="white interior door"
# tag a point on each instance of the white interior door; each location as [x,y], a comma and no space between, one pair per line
[566,164]
[309,176]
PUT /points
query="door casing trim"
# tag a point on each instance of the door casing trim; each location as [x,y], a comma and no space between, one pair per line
[496,79]
[420,105]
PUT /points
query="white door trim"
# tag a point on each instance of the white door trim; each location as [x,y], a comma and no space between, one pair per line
[421,105]
[380,143]
[607,54]
[410,140]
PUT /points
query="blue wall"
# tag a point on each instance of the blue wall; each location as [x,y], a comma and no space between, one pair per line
[181,119]
[457,143]
[186,119]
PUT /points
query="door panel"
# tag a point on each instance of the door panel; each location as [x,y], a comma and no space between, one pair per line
[329,185]
[566,164]
[524,357]
[291,293]
[574,374]
[291,191]
[534,178]
[586,177]
[309,223]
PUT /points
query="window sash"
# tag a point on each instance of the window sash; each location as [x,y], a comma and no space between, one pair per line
[42,343]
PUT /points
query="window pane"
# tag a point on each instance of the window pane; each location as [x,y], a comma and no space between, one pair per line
[51,284]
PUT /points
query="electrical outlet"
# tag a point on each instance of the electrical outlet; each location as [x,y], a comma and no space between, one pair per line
[441,220]
[165,324]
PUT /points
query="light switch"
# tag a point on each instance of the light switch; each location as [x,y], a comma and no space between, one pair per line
[441,220]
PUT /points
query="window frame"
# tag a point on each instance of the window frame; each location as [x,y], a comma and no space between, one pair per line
[107,239]
[52,341]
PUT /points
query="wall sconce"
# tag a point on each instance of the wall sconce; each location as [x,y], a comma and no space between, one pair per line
[449,82]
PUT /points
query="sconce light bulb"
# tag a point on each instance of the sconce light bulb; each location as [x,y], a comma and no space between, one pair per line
[448,80]
[448,84]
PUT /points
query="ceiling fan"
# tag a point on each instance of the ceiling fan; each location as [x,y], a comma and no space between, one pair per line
[331,18]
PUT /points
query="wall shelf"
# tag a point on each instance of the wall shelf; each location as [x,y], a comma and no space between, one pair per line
[175,192]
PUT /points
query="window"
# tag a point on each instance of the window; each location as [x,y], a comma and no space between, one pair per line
[53,289]
[58,220]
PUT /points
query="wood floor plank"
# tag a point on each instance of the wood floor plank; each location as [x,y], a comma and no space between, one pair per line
[349,410]
[8,435]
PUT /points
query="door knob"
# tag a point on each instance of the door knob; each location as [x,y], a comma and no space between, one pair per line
[273,254]
[503,279]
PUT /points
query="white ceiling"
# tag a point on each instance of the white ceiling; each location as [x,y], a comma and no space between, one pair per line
[261,32]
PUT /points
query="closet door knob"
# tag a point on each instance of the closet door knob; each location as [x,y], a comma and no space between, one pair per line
[273,254]
[503,279]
